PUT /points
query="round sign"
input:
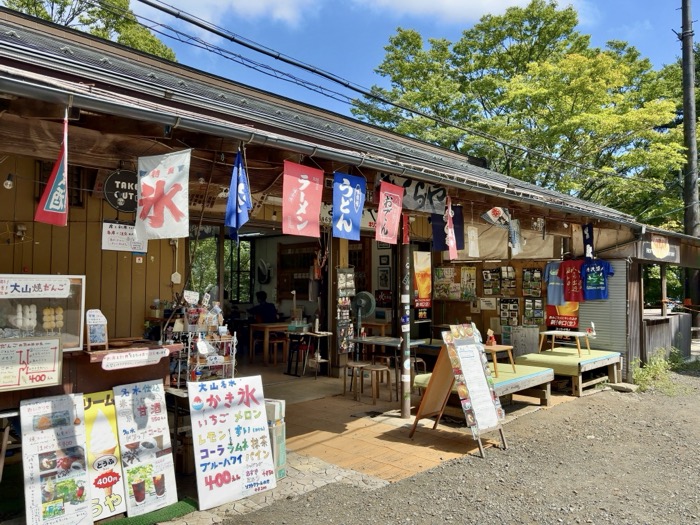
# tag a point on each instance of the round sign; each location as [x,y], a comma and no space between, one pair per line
[120,190]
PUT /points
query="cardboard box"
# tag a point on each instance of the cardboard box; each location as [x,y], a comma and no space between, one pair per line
[275,410]
[278,443]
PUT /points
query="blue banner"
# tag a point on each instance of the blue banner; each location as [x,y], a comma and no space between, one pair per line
[439,233]
[239,200]
[348,201]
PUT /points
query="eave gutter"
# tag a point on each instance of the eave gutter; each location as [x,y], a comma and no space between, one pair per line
[23,88]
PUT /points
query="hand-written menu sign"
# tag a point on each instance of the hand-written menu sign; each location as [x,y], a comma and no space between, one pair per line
[56,485]
[133,358]
[233,456]
[481,406]
[144,440]
[33,286]
[30,363]
[120,237]
[104,458]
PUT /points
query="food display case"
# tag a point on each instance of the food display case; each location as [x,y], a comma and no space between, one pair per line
[43,306]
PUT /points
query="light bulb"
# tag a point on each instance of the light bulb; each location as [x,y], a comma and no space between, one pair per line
[9,181]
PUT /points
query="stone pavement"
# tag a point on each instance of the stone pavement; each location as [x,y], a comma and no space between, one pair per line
[304,474]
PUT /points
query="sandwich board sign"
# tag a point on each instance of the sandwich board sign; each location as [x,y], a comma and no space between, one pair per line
[462,363]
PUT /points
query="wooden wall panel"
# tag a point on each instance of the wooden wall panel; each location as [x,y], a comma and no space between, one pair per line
[41,259]
[139,301]
[153,273]
[124,291]
[60,246]
[77,245]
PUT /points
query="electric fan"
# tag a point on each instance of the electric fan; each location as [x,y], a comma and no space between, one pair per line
[362,304]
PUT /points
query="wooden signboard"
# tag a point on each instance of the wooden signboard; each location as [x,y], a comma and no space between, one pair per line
[462,362]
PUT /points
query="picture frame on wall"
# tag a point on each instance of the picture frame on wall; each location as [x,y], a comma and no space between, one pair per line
[383,246]
[384,277]
[384,260]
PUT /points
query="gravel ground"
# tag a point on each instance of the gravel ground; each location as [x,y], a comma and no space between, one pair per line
[610,457]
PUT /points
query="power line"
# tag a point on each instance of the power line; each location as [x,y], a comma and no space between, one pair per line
[224,33]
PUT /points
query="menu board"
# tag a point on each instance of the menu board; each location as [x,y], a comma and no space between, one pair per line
[56,486]
[104,457]
[30,363]
[144,441]
[480,404]
[232,452]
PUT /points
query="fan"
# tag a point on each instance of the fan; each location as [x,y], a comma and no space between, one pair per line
[362,304]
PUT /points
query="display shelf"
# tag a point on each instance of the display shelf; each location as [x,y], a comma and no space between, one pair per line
[215,360]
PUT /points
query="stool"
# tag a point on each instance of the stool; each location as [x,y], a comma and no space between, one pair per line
[375,373]
[382,360]
[274,347]
[356,367]
[416,363]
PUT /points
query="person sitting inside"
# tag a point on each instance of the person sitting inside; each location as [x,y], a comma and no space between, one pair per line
[263,312]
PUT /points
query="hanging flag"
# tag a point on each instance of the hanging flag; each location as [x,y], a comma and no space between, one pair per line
[587,231]
[497,216]
[239,199]
[439,225]
[302,190]
[450,231]
[389,212]
[53,206]
[514,237]
[163,194]
[348,202]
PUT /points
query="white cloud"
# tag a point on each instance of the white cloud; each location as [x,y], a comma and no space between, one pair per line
[288,12]
[445,11]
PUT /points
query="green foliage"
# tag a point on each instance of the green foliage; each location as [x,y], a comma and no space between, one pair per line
[655,375]
[652,283]
[529,78]
[112,20]
[678,363]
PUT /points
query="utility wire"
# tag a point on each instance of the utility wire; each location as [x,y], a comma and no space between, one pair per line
[223,33]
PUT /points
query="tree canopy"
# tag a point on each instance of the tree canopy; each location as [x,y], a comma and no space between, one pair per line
[527,92]
[112,20]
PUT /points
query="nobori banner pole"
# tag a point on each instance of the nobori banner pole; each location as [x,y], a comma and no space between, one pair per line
[405,321]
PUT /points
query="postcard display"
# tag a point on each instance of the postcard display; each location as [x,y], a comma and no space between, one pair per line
[345,327]
[232,449]
[56,485]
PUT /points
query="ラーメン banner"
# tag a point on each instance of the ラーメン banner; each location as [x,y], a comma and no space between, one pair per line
[302,191]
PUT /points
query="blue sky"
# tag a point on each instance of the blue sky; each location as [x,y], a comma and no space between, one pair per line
[347,37]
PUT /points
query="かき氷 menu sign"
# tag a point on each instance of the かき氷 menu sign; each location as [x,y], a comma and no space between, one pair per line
[104,457]
[144,442]
[56,486]
[232,452]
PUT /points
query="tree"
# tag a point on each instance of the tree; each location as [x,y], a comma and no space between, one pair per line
[111,20]
[528,79]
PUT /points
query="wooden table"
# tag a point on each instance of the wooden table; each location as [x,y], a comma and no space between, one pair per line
[494,349]
[381,326]
[563,333]
[266,328]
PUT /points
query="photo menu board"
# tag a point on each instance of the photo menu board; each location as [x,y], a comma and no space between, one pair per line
[144,441]
[232,451]
[56,485]
[480,404]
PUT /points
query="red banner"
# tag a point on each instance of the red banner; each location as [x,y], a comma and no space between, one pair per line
[302,190]
[389,213]
[53,206]
[450,230]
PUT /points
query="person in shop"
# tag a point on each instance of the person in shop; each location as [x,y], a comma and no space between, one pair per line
[263,312]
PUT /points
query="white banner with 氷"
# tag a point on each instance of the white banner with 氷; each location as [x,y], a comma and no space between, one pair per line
[104,458]
[144,441]
[56,486]
[232,450]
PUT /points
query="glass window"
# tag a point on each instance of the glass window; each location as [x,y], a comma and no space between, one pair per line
[238,271]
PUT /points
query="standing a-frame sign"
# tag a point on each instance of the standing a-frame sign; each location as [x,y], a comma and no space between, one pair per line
[462,362]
